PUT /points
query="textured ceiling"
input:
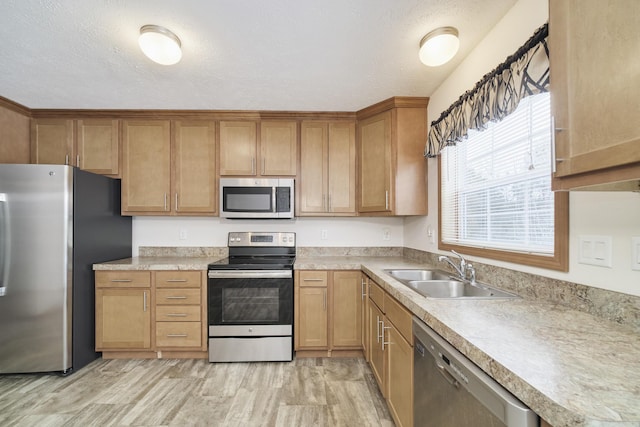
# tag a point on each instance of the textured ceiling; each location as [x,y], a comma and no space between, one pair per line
[322,55]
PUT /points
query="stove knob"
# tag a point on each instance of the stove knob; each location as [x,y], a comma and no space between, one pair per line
[250,329]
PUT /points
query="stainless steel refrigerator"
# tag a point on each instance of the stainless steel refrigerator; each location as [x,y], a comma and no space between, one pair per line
[55,222]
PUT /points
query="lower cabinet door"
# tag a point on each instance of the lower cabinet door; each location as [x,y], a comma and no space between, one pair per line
[311,324]
[123,319]
[376,353]
[178,334]
[346,309]
[400,377]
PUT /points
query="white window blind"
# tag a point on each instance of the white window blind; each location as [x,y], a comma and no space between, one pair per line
[496,184]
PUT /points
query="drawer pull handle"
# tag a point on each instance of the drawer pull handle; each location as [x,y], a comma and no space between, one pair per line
[121,280]
[313,280]
[176,280]
[176,315]
[177,335]
[176,297]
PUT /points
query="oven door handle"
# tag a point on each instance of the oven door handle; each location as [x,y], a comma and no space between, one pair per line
[250,274]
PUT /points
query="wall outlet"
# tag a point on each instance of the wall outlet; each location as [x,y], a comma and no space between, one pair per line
[323,234]
[386,234]
[595,250]
[182,235]
[635,253]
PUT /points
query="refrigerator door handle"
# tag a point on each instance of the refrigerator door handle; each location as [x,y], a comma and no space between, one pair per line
[4,243]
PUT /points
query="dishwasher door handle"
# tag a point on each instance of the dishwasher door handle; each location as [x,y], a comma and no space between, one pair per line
[447,376]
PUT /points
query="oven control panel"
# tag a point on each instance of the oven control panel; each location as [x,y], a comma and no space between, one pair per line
[271,239]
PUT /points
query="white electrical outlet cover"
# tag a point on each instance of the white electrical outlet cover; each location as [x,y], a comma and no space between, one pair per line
[595,250]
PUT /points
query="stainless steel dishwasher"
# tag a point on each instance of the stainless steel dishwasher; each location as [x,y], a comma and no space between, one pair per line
[450,391]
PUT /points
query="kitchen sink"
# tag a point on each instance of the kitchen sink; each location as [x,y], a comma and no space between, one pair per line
[440,284]
[418,274]
[456,289]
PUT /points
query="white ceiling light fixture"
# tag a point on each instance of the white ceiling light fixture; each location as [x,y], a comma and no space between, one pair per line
[160,44]
[439,46]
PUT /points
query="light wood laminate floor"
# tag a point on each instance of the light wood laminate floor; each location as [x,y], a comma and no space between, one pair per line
[167,392]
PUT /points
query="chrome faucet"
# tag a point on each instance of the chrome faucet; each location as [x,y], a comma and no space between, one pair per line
[461,269]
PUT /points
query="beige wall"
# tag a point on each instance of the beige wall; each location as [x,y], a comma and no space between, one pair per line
[14,134]
[615,214]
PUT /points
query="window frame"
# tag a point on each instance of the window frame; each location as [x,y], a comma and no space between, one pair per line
[560,259]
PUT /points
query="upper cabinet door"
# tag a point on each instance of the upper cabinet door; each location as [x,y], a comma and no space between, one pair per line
[341,153]
[98,146]
[313,167]
[146,172]
[194,168]
[238,148]
[375,163]
[278,148]
[52,142]
[595,90]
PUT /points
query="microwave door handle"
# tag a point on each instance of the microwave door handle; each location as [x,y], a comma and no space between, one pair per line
[273,199]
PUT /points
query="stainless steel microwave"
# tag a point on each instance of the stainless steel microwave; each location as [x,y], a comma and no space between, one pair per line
[260,198]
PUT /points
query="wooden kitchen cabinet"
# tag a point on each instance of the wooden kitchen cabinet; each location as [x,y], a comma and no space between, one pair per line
[90,144]
[52,141]
[169,172]
[392,174]
[239,148]
[377,356]
[98,146]
[146,172]
[194,175]
[179,298]
[123,311]
[328,313]
[364,322]
[278,148]
[346,310]
[151,314]
[595,92]
[311,310]
[327,168]
[391,352]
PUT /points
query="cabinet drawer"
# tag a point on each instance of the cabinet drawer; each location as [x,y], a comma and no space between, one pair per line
[123,279]
[178,296]
[313,278]
[178,313]
[178,334]
[376,294]
[178,279]
[399,316]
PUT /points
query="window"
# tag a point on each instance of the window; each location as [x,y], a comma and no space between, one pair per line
[495,191]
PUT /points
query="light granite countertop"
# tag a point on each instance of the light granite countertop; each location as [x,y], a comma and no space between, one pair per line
[570,367]
[157,263]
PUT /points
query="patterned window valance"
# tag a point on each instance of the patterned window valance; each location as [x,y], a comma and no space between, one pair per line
[497,95]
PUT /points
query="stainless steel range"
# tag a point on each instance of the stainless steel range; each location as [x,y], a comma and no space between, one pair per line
[251,299]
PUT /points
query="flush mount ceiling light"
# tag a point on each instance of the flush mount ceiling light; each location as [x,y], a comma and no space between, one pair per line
[160,44]
[439,46]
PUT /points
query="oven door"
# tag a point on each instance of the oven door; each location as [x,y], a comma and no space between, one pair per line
[262,298]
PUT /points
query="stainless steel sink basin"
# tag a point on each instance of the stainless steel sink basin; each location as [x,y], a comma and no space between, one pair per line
[418,274]
[456,289]
[433,283]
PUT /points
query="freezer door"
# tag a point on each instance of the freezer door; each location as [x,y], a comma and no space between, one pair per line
[35,268]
